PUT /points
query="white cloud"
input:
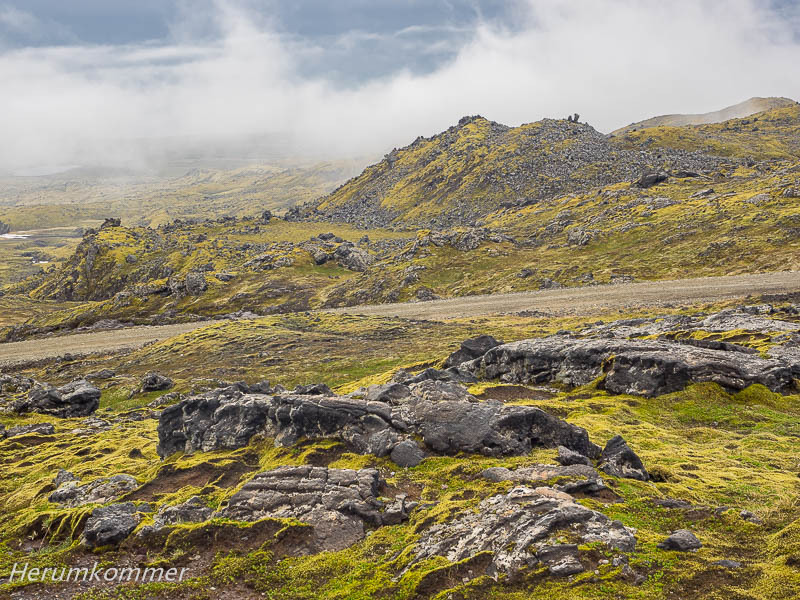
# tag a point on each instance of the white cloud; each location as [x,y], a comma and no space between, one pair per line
[613,61]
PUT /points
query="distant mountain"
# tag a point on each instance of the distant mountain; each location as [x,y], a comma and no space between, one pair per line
[737,111]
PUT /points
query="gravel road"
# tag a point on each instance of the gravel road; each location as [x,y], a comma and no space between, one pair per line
[584,300]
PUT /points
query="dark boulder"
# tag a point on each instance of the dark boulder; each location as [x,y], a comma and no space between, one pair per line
[619,460]
[109,525]
[471,349]
[682,540]
[209,423]
[407,454]
[155,382]
[569,457]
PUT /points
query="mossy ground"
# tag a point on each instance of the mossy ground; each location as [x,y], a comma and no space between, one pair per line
[702,445]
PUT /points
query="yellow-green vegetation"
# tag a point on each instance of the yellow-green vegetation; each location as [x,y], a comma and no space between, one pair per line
[703,445]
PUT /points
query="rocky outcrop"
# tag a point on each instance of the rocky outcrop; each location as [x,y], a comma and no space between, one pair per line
[536,473]
[338,503]
[4,228]
[446,422]
[522,529]
[99,491]
[209,423]
[640,367]
[76,399]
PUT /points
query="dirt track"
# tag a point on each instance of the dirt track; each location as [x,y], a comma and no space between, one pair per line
[584,300]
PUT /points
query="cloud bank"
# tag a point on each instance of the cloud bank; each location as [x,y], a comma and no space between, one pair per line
[234,74]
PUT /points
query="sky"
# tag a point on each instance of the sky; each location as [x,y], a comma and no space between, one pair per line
[123,83]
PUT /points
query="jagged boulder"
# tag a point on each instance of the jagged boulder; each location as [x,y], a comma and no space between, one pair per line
[471,349]
[446,424]
[640,367]
[619,460]
[76,399]
[109,525]
[337,503]
[521,529]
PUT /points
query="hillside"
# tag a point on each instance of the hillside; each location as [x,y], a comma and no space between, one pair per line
[737,111]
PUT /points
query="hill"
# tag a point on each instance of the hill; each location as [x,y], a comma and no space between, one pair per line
[737,111]
[459,176]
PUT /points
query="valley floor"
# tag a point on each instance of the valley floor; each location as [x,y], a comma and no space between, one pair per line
[562,302]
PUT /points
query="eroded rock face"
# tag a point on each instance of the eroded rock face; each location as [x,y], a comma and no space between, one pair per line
[446,424]
[337,503]
[521,528]
[99,491]
[76,399]
[640,367]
